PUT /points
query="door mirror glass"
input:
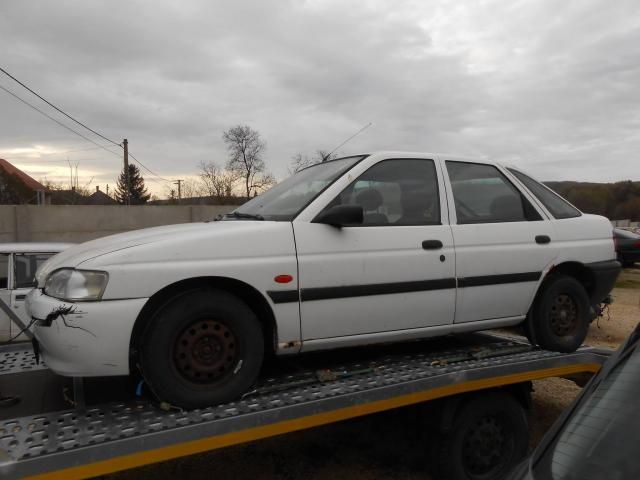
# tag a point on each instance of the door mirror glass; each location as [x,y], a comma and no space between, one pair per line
[341,215]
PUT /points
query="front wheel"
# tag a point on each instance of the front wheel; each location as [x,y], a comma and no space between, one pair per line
[560,316]
[205,347]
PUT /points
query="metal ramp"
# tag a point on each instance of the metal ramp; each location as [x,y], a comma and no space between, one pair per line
[107,437]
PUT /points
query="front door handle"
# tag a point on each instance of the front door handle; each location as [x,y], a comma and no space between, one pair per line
[432,244]
[543,239]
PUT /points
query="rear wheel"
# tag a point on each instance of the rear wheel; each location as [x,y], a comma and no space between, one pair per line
[488,438]
[561,314]
[203,348]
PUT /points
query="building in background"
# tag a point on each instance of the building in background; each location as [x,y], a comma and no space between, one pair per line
[18,188]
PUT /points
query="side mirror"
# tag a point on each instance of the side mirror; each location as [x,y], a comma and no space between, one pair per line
[341,215]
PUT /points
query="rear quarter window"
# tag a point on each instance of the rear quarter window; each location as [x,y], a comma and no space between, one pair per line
[557,206]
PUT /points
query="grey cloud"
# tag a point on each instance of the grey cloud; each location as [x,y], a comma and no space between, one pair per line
[551,87]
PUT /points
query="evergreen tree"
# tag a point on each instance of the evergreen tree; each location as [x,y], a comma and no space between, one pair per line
[137,191]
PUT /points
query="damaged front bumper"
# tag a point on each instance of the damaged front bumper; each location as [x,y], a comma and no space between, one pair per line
[84,339]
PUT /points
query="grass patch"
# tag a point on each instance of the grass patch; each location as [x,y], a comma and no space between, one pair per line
[629,278]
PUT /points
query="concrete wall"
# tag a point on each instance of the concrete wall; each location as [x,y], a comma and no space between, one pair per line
[78,223]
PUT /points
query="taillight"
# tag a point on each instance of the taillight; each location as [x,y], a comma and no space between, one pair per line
[636,245]
[615,242]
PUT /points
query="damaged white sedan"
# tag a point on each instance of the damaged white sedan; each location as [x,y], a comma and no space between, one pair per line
[359,250]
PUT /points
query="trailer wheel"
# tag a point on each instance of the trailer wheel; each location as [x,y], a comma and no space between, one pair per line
[561,314]
[487,439]
[203,348]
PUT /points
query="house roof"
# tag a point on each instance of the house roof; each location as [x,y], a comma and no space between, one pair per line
[24,178]
[100,198]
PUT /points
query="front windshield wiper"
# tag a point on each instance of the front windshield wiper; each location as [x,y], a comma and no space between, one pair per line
[249,216]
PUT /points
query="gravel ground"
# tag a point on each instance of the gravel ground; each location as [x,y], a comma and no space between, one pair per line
[387,445]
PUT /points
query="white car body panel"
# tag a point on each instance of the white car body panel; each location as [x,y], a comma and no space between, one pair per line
[74,343]
[142,263]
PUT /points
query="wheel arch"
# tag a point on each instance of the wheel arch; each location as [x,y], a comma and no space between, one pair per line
[247,293]
[577,271]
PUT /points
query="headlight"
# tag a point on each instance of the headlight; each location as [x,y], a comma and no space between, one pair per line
[76,285]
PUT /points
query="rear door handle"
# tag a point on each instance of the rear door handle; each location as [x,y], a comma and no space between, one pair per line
[432,244]
[542,239]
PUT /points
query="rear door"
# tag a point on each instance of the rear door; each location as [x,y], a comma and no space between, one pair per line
[503,243]
[395,271]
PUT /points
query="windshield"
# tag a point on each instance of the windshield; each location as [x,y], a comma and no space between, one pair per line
[600,439]
[284,201]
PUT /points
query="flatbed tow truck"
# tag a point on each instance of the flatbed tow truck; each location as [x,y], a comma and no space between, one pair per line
[66,429]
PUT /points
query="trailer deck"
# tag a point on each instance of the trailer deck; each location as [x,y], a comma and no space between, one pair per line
[103,436]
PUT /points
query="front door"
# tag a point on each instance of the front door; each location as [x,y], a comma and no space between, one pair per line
[393,272]
[24,271]
[503,244]
[5,294]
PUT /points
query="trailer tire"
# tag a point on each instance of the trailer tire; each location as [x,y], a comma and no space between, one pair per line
[561,314]
[487,439]
[204,348]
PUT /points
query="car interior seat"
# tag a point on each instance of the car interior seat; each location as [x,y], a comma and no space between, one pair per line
[371,200]
[507,209]
[414,206]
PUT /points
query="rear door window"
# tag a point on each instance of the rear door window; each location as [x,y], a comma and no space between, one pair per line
[482,194]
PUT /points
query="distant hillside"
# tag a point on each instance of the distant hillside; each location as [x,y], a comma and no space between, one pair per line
[616,201]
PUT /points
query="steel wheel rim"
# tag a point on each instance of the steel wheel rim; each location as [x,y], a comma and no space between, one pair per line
[484,448]
[564,315]
[205,351]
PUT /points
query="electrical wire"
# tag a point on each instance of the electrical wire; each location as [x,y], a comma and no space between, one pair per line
[55,120]
[17,97]
[58,109]
[143,166]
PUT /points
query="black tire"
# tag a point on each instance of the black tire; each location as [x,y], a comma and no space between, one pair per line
[203,348]
[488,438]
[561,314]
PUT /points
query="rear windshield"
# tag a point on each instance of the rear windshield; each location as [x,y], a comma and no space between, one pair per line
[557,206]
[601,438]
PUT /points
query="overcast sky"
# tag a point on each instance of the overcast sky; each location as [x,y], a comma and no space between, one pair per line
[551,86]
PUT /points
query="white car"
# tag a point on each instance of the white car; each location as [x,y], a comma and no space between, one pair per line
[18,264]
[365,249]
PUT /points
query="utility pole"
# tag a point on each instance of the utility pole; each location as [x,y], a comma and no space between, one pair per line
[125,146]
[179,183]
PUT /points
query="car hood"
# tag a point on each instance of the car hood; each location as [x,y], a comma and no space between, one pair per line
[153,244]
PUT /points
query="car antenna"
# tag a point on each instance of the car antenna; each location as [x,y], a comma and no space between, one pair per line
[328,155]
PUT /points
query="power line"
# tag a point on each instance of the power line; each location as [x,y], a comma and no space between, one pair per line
[71,129]
[56,120]
[151,172]
[58,109]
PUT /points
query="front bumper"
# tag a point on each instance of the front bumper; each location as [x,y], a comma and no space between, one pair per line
[604,275]
[84,339]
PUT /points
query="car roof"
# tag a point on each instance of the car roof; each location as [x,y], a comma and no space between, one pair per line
[443,156]
[33,247]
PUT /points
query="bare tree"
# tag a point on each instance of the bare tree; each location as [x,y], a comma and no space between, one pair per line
[216,182]
[300,161]
[191,188]
[245,149]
